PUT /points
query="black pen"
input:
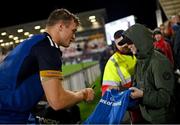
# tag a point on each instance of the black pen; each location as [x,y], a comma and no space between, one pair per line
[93,86]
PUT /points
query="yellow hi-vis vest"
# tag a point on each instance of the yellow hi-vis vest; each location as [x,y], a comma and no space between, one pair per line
[118,70]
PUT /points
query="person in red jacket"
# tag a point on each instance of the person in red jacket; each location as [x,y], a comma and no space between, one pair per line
[162,45]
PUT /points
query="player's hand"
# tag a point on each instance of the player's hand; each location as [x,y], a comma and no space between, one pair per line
[88,94]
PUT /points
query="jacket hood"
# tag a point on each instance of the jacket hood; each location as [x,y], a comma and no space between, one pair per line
[141,36]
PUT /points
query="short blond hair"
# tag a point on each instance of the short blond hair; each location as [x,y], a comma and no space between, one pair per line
[61,14]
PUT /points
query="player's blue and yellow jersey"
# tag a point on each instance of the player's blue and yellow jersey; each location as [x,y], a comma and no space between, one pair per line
[20,73]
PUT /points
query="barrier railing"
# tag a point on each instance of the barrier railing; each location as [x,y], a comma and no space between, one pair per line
[81,79]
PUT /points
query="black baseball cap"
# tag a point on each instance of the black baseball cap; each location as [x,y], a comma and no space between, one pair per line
[118,34]
[157,32]
[125,40]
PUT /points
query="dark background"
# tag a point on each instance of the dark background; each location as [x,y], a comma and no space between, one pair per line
[18,12]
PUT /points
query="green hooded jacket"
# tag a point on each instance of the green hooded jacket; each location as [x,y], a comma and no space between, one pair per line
[154,75]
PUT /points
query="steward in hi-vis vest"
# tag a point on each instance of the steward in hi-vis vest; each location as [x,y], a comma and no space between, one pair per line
[120,66]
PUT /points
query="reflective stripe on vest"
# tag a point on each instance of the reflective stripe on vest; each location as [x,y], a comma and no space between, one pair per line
[111,83]
[123,80]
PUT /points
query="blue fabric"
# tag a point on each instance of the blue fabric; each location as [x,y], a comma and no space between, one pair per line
[111,108]
[31,120]
[15,102]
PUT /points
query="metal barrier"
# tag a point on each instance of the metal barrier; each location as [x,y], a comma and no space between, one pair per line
[81,79]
